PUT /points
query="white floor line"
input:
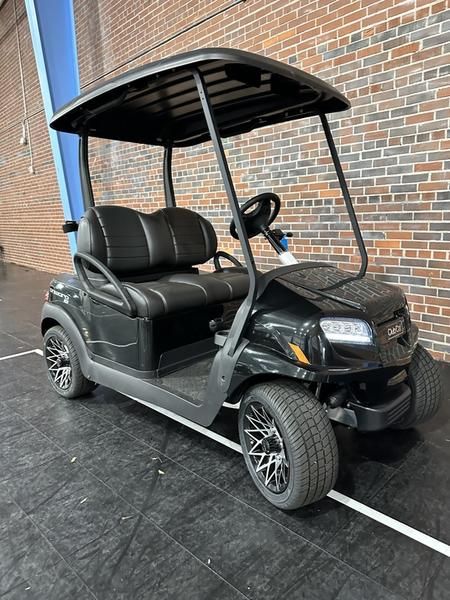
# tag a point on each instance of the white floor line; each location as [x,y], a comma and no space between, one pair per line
[371,513]
[204,430]
[21,354]
[410,532]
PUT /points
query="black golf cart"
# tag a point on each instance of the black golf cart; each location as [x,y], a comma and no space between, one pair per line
[297,346]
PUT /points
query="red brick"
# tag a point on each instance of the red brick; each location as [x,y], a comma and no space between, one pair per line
[30,211]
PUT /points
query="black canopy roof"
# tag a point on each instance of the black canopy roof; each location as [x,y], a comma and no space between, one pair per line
[159,103]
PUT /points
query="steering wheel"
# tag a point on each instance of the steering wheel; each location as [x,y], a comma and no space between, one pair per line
[265,211]
[221,254]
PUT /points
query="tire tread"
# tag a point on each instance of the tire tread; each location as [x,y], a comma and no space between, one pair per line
[312,440]
[426,389]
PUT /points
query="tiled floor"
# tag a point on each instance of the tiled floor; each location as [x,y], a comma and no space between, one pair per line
[103,498]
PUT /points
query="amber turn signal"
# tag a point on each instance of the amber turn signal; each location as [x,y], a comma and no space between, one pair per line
[300,355]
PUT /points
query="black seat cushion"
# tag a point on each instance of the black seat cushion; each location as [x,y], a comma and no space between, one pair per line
[132,243]
[174,293]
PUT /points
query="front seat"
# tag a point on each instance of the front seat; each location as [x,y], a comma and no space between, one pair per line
[154,256]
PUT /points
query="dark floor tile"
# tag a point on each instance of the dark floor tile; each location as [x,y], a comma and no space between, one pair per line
[8,372]
[57,582]
[153,484]
[256,554]
[11,426]
[16,386]
[70,506]
[390,447]
[391,559]
[68,432]
[117,552]
[360,476]
[438,587]
[418,494]
[37,403]
[206,457]
[131,416]
[358,587]
[26,331]
[11,345]
[22,448]
[66,422]
[361,479]
[33,363]
[24,552]
[329,580]
[146,564]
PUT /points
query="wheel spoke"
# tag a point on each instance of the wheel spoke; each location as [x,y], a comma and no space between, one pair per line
[256,424]
[250,434]
[268,474]
[276,475]
[58,362]
[266,449]
[262,416]
[263,428]
[262,466]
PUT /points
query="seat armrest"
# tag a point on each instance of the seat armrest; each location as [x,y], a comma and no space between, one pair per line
[122,302]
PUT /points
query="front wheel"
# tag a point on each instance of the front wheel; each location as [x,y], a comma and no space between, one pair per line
[288,444]
[424,379]
[63,366]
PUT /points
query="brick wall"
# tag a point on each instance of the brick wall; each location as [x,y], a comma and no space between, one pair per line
[30,208]
[390,57]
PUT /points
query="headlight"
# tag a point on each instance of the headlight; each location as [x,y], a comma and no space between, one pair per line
[346,331]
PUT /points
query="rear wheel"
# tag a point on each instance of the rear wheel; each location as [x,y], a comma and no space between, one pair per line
[424,379]
[63,366]
[288,444]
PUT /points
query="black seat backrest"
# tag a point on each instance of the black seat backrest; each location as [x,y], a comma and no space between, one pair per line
[131,242]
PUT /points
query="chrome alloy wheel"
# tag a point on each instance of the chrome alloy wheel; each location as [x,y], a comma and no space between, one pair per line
[58,362]
[266,448]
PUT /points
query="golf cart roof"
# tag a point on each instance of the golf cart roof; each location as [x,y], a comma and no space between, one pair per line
[159,104]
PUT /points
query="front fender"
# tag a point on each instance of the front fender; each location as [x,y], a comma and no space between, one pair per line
[259,363]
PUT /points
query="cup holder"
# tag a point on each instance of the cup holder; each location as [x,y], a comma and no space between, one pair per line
[221,337]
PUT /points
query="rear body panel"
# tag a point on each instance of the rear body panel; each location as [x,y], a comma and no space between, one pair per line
[142,346]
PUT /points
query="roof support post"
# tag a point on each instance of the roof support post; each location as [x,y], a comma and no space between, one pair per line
[85,174]
[346,195]
[169,193]
[52,30]
[235,334]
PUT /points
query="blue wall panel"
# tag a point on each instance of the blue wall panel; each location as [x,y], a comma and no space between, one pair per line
[53,35]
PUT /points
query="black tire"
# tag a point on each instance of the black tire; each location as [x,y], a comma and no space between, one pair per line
[308,443]
[77,384]
[424,378]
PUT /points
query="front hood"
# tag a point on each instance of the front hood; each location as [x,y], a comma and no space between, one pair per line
[330,288]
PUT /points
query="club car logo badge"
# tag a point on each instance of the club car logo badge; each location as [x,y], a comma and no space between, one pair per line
[64,297]
[396,329]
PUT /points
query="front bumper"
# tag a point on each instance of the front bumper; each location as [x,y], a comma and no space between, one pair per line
[376,417]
